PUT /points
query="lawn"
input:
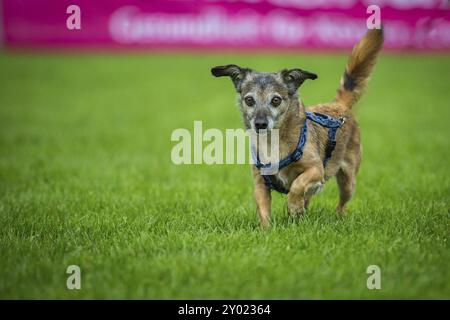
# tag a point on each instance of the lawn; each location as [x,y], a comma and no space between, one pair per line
[86,178]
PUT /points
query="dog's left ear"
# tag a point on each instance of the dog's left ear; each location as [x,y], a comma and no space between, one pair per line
[295,77]
[236,73]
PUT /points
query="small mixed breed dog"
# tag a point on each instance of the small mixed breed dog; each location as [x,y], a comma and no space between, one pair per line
[314,145]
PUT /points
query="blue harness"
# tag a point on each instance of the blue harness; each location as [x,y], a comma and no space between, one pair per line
[325,121]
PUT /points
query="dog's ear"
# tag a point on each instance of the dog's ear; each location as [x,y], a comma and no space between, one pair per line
[295,77]
[236,73]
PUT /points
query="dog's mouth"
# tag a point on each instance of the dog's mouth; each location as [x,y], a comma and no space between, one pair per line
[261,130]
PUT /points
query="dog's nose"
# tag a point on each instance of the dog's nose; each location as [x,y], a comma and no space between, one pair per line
[261,124]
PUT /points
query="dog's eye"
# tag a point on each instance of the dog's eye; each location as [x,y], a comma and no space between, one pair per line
[249,101]
[276,101]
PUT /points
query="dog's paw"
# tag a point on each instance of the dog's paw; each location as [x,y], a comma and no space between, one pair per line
[296,209]
[341,209]
[313,189]
[264,224]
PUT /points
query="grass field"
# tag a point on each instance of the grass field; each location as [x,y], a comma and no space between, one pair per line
[86,178]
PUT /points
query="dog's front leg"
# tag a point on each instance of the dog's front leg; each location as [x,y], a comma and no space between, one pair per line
[303,187]
[262,197]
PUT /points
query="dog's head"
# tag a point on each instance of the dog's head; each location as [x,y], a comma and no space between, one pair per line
[264,98]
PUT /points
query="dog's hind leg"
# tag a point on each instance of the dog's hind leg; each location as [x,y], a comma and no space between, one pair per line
[346,180]
[346,175]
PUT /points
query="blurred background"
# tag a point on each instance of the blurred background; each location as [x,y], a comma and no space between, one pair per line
[86,177]
[215,24]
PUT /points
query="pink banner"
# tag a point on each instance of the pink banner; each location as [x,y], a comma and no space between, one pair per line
[332,24]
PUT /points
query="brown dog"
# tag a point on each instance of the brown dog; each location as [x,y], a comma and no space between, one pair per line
[270,101]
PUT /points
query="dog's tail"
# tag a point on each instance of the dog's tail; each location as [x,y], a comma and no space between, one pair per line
[359,67]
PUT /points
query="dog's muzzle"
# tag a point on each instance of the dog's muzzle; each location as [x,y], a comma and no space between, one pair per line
[261,124]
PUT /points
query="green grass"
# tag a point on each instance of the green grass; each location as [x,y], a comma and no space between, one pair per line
[86,179]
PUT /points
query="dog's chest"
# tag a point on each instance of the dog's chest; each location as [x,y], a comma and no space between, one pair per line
[284,178]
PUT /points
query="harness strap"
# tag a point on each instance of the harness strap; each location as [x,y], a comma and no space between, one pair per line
[271,184]
[332,124]
[324,120]
[331,144]
[293,157]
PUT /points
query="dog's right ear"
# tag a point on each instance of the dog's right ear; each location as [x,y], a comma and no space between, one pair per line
[236,73]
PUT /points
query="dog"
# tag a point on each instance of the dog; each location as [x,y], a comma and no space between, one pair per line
[270,101]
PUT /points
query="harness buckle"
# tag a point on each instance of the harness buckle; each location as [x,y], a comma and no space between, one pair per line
[342,119]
